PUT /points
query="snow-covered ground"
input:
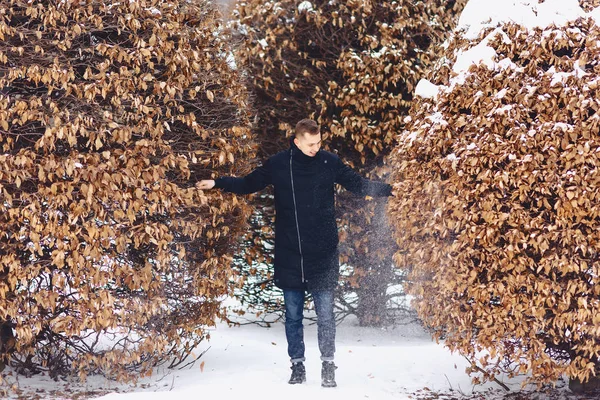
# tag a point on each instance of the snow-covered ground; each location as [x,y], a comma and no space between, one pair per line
[251,362]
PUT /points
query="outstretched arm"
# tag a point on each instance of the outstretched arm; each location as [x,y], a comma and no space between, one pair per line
[253,182]
[355,183]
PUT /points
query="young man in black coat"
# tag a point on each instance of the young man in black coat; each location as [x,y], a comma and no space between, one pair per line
[306,235]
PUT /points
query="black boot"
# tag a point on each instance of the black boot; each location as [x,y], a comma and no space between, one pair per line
[328,374]
[298,373]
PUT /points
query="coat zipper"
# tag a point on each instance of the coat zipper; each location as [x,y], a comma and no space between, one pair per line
[296,214]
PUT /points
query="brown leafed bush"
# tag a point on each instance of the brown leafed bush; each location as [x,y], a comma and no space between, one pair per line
[497,210]
[110,260]
[352,66]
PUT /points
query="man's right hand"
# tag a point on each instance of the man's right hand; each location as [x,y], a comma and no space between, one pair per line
[205,184]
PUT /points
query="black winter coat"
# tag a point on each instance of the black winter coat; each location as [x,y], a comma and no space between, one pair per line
[306,235]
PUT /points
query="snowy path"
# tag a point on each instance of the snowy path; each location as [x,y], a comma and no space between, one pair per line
[251,362]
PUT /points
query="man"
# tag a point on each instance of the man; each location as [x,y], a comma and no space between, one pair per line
[306,236]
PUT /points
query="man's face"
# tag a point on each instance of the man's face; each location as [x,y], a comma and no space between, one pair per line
[308,144]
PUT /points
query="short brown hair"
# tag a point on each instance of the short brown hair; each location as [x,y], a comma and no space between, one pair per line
[307,126]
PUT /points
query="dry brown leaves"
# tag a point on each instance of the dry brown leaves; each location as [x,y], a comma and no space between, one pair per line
[109,113]
[352,65]
[589,5]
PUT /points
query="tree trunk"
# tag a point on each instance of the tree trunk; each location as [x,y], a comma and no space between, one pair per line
[372,301]
[7,343]
[379,274]
[591,385]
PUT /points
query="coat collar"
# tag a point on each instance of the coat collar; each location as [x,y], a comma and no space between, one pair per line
[299,156]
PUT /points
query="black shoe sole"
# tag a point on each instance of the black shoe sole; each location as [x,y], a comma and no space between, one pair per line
[328,384]
[296,383]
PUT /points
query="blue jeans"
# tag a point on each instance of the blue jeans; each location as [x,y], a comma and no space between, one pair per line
[294,330]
